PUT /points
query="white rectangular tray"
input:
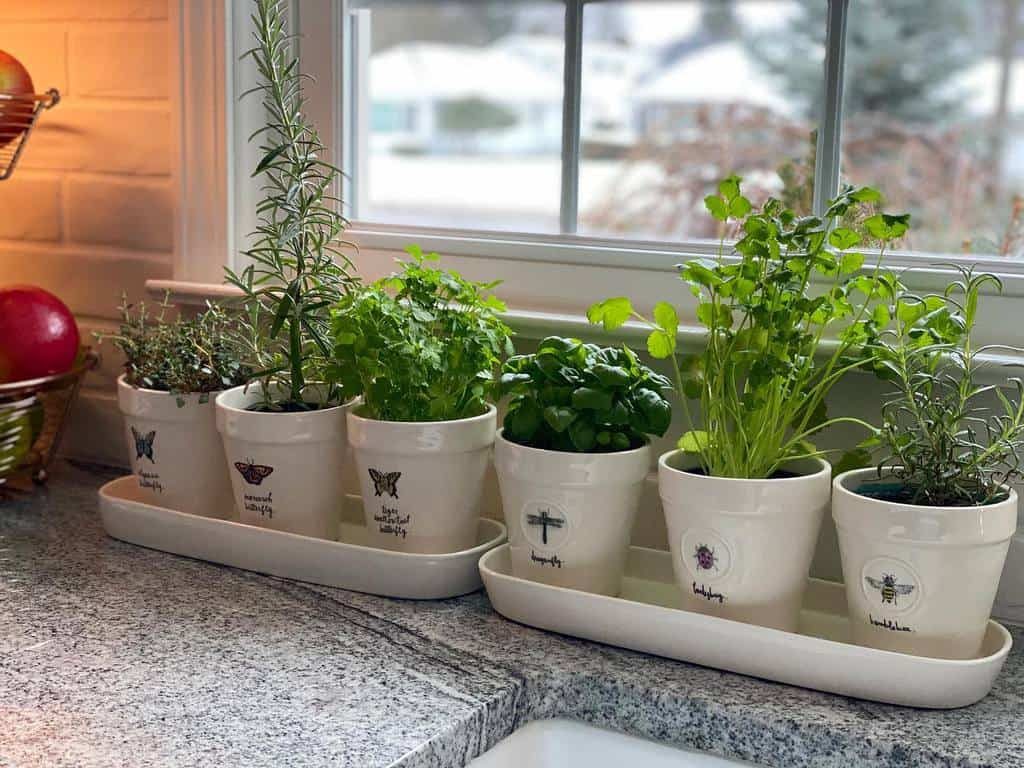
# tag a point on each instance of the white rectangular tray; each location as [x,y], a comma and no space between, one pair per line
[645,618]
[347,563]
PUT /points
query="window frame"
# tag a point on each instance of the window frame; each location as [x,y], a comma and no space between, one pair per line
[214,222]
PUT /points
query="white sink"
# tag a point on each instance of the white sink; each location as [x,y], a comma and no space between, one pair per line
[568,744]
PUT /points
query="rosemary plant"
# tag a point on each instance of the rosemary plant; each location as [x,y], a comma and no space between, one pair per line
[769,361]
[948,440]
[298,268]
[181,356]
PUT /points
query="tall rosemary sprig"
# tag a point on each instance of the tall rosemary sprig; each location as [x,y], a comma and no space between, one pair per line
[297,266]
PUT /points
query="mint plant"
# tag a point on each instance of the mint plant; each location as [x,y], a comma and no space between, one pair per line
[761,380]
[182,356]
[571,396]
[948,440]
[298,267]
[422,345]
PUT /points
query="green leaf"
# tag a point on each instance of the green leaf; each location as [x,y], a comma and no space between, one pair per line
[880,314]
[611,375]
[729,187]
[559,418]
[843,238]
[739,207]
[887,227]
[851,262]
[588,398]
[269,158]
[583,435]
[858,458]
[660,344]
[612,313]
[866,195]
[717,207]
[666,318]
[694,441]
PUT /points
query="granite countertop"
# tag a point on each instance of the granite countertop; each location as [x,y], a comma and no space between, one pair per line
[114,655]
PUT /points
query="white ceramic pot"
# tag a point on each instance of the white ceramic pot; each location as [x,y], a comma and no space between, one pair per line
[741,549]
[919,580]
[285,468]
[570,515]
[422,481]
[175,451]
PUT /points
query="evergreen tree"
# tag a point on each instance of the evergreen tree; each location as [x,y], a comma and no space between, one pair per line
[902,56]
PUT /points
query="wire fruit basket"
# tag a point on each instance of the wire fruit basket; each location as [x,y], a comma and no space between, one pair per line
[18,116]
[33,416]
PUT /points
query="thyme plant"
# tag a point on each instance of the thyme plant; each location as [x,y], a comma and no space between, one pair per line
[298,268]
[948,440]
[180,356]
[761,379]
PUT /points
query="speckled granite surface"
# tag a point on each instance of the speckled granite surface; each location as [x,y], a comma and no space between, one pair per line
[113,655]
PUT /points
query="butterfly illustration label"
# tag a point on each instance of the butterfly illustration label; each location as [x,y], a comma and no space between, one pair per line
[388,517]
[146,473]
[262,503]
[891,587]
[547,528]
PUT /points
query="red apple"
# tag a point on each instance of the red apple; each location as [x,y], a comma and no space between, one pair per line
[15,114]
[38,335]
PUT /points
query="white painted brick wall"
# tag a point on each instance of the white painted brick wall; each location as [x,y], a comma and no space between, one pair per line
[90,210]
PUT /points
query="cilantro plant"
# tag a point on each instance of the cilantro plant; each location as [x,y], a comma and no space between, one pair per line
[180,356]
[297,266]
[947,439]
[571,396]
[776,344]
[422,345]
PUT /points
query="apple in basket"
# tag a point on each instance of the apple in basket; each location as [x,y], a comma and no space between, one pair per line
[38,334]
[16,114]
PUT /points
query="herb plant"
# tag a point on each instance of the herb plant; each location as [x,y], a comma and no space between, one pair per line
[298,268]
[759,380]
[422,345]
[180,356]
[948,440]
[571,396]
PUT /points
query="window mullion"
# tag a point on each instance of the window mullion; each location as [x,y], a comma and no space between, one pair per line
[827,153]
[571,98]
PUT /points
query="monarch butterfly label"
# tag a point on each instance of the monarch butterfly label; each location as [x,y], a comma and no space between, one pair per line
[389,518]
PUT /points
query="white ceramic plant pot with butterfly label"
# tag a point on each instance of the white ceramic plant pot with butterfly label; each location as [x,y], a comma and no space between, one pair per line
[175,451]
[422,481]
[285,468]
[919,580]
[741,549]
[569,515]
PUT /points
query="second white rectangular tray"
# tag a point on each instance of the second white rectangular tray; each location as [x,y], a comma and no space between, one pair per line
[645,618]
[347,563]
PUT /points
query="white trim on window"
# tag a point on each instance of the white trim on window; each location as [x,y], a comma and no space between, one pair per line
[202,107]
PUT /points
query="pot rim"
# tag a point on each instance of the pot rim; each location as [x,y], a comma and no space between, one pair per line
[122,381]
[269,414]
[358,401]
[499,435]
[838,487]
[826,468]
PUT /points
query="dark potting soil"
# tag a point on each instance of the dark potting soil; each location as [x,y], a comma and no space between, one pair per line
[291,407]
[779,474]
[899,493]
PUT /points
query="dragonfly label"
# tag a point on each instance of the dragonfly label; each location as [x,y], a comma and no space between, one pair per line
[545,525]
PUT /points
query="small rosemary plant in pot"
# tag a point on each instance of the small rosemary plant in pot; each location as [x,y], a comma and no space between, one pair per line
[284,433]
[786,309]
[421,348]
[172,369]
[923,536]
[572,457]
